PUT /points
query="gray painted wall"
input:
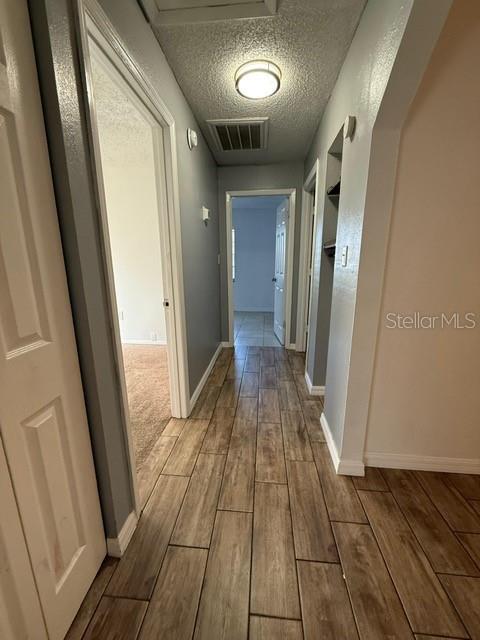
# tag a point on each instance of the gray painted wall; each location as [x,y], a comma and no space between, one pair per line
[53,24]
[268,176]
[365,85]
[254,256]
[69,154]
[198,187]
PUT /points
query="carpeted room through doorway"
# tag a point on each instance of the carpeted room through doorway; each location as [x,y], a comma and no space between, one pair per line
[146,374]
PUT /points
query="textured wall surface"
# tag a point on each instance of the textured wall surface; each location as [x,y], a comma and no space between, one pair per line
[198,187]
[52,26]
[378,80]
[308,40]
[359,90]
[63,100]
[433,262]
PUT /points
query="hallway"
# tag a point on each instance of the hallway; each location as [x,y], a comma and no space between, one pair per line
[249,531]
[204,214]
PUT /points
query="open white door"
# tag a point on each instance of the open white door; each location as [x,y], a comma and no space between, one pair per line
[43,422]
[279,277]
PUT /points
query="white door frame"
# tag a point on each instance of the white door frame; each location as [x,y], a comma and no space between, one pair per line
[291,195]
[95,25]
[310,184]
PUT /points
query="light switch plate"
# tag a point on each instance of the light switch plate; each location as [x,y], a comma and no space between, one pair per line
[192,138]
[349,127]
[205,214]
[344,256]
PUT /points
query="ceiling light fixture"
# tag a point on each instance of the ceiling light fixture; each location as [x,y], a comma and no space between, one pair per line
[257,79]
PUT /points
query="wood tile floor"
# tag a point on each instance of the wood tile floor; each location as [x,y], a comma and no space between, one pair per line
[249,533]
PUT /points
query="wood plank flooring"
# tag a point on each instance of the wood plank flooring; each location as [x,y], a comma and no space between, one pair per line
[274,592]
[249,534]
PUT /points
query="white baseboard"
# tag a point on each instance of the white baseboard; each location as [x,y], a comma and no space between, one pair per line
[332,447]
[312,389]
[204,378]
[292,346]
[300,346]
[396,461]
[342,467]
[116,547]
[422,463]
[161,341]
[226,345]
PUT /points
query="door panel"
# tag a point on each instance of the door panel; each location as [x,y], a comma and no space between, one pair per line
[20,613]
[279,279]
[42,413]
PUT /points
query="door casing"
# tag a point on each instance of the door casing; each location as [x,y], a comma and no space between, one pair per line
[281,239]
[308,203]
[94,26]
[291,195]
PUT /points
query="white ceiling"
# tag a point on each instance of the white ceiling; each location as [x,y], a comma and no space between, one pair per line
[307,39]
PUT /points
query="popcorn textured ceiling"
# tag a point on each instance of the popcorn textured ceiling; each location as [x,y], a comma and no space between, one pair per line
[125,135]
[308,40]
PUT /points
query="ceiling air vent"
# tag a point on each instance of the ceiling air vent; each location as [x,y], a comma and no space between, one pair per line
[245,134]
[181,11]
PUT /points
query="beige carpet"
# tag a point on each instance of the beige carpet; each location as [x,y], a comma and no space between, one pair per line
[146,373]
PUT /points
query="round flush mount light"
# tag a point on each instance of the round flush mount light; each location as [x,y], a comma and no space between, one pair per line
[257,79]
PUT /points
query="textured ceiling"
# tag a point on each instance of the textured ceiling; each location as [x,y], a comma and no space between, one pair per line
[308,39]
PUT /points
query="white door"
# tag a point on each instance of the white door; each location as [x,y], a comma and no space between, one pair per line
[43,423]
[20,612]
[280,277]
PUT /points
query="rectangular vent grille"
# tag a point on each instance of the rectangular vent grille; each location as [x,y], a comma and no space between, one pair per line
[239,135]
